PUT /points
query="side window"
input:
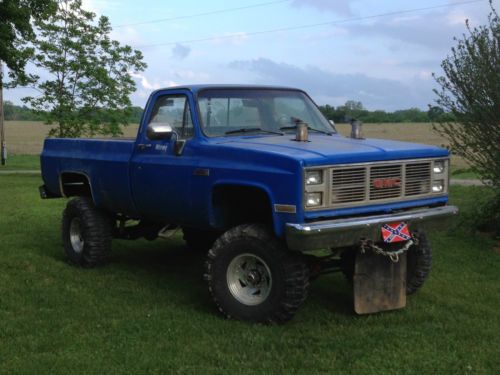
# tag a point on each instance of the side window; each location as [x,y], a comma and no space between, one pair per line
[174,110]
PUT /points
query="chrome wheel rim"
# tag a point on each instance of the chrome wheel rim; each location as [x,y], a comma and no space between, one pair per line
[249,279]
[75,235]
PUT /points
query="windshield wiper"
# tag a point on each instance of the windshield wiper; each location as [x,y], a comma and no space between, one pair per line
[252,130]
[309,128]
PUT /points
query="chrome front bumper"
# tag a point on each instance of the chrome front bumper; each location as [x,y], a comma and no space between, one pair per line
[348,231]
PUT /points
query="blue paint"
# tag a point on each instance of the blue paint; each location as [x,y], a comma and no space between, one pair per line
[156,184]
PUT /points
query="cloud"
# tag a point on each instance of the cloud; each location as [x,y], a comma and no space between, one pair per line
[180,51]
[433,29]
[338,6]
[127,35]
[145,84]
[100,6]
[375,93]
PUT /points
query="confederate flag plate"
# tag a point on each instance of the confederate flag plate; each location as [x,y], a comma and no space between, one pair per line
[395,232]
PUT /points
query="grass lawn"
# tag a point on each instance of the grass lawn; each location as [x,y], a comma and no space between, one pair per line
[149,310]
[464,174]
[21,162]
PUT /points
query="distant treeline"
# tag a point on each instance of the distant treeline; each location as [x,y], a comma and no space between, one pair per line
[351,109]
[14,112]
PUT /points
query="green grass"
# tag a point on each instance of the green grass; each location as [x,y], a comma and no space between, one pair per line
[149,310]
[464,174]
[21,162]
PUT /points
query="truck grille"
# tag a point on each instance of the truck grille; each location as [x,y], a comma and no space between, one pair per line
[418,179]
[379,182]
[385,172]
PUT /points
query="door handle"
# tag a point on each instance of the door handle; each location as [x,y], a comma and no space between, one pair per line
[143,146]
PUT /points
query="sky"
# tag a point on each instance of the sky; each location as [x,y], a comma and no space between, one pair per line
[352,53]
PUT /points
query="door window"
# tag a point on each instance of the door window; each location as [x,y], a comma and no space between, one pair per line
[174,110]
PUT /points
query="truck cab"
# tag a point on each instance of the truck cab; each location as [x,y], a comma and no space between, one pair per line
[261,181]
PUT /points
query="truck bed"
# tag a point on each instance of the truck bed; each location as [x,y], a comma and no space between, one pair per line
[104,161]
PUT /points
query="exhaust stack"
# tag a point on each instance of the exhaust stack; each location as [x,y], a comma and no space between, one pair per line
[356,129]
[302,134]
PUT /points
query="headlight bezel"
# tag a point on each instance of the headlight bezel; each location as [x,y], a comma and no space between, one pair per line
[437,186]
[440,173]
[319,199]
[314,173]
[438,166]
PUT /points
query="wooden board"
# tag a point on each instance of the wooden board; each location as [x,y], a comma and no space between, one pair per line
[379,283]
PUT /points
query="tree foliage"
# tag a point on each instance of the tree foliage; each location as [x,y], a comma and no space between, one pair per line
[89,84]
[470,90]
[15,29]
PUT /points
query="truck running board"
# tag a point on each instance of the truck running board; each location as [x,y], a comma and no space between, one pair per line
[379,283]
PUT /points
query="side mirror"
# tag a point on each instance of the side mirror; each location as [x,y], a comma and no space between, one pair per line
[159,130]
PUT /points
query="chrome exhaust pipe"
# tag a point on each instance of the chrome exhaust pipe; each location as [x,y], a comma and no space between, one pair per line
[302,134]
[356,129]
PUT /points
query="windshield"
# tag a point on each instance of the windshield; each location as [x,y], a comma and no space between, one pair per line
[233,111]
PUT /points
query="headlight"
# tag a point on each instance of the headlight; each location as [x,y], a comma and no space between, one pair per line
[314,177]
[314,199]
[438,166]
[438,186]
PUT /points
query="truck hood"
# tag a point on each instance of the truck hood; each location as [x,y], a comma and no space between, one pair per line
[335,149]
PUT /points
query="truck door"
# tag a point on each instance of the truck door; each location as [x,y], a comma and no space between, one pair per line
[160,178]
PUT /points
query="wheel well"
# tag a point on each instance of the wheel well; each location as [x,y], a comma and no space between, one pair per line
[75,184]
[234,205]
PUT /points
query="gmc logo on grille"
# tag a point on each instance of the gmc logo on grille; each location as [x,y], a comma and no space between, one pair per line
[383,183]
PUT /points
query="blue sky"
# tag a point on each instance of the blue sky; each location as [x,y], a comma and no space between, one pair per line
[385,62]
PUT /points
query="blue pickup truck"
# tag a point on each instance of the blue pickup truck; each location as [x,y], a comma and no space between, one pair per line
[261,181]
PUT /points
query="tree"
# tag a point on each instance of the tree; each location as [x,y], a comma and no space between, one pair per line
[15,29]
[470,91]
[90,82]
[353,105]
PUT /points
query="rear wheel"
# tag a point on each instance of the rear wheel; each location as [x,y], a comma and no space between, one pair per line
[252,276]
[86,233]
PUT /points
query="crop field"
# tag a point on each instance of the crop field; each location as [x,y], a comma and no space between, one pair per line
[26,138]
[148,311]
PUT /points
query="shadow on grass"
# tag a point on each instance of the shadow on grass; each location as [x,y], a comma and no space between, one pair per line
[332,293]
[172,265]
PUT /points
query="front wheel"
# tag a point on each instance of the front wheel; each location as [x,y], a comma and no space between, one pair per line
[252,276]
[419,262]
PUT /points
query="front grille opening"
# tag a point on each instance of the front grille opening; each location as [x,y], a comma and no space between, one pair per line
[418,179]
[348,185]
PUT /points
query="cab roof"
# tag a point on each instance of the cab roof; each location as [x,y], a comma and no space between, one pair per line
[199,87]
